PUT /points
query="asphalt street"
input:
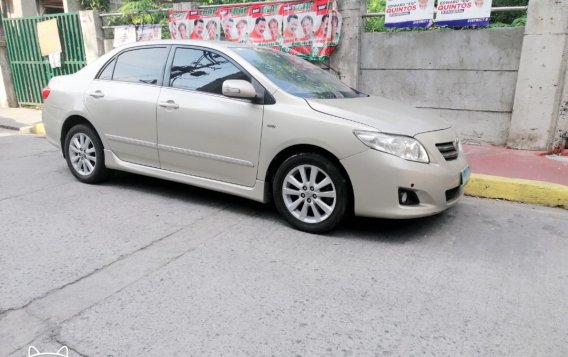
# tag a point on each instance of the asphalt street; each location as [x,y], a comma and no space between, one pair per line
[142,267]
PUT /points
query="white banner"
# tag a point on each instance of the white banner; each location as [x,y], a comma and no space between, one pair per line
[124,35]
[409,13]
[463,13]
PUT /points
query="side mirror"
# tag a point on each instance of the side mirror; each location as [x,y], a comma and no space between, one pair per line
[238,88]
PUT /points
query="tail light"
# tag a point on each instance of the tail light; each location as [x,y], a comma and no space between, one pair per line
[45,92]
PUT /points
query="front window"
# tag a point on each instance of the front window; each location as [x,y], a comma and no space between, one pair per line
[202,70]
[295,75]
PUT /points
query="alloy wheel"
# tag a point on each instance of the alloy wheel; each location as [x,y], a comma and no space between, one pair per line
[82,154]
[309,194]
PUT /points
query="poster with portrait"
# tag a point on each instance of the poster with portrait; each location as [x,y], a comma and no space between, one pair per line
[265,27]
[212,21]
[148,32]
[123,35]
[409,13]
[298,27]
[178,24]
[326,30]
[463,13]
[235,23]
[309,28]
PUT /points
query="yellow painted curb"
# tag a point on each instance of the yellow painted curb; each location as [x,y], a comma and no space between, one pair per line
[518,190]
[38,129]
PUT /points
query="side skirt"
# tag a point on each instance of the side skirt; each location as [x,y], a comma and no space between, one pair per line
[255,193]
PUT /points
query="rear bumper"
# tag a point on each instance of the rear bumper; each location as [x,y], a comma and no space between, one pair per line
[376,178]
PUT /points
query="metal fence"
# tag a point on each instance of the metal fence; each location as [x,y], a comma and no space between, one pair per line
[30,71]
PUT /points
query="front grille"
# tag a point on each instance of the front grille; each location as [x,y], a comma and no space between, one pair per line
[448,150]
[452,194]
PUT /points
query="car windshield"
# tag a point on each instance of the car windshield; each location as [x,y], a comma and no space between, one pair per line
[295,75]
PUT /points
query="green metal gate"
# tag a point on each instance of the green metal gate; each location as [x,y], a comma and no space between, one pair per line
[31,72]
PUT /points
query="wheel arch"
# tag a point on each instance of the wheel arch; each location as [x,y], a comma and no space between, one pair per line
[71,122]
[298,149]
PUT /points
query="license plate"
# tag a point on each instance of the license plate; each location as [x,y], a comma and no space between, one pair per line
[465,174]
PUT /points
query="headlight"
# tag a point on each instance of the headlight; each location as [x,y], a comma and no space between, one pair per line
[401,146]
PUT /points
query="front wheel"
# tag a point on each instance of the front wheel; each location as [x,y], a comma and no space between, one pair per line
[310,192]
[84,154]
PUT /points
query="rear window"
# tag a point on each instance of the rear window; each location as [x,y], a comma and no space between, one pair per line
[144,65]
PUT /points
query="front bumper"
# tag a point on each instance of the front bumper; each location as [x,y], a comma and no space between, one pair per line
[376,178]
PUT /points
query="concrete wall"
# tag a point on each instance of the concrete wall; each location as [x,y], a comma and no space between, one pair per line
[539,112]
[467,77]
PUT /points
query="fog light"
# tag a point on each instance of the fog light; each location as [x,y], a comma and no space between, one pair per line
[407,197]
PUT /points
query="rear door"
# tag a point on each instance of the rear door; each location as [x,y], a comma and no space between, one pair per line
[122,102]
[200,131]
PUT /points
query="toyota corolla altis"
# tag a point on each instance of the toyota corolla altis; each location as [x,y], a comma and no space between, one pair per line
[256,123]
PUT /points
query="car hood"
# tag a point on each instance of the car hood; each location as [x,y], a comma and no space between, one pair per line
[383,114]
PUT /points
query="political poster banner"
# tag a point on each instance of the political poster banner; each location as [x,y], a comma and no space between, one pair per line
[204,24]
[178,24]
[309,28]
[265,25]
[298,34]
[327,30]
[458,13]
[235,23]
[212,24]
[148,32]
[123,35]
[409,13]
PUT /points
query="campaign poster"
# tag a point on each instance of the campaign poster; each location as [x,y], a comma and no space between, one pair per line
[179,25]
[235,23]
[123,35]
[148,32]
[265,27]
[409,13]
[212,22]
[336,22]
[327,27]
[298,33]
[460,13]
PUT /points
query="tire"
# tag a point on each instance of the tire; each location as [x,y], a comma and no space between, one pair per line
[84,154]
[310,208]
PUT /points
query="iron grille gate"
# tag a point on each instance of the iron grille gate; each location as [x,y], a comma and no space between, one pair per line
[30,71]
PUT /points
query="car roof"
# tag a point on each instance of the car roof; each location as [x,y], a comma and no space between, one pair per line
[211,44]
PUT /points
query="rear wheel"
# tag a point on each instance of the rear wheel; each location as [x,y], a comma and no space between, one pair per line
[84,154]
[310,192]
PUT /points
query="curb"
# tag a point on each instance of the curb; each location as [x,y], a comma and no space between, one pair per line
[518,190]
[37,129]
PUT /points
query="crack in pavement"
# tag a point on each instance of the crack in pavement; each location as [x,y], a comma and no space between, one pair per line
[103,267]
[47,314]
[63,343]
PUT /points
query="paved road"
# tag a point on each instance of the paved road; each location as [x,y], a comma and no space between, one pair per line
[142,267]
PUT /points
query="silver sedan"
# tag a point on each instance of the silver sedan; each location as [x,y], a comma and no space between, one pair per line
[256,123]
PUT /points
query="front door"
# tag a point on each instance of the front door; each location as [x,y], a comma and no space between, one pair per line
[200,131]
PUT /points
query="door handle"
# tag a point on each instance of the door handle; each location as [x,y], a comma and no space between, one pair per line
[169,104]
[97,94]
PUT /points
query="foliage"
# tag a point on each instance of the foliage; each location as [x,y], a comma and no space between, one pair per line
[138,12]
[100,5]
[498,19]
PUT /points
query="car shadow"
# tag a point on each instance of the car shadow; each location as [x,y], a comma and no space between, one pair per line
[372,229]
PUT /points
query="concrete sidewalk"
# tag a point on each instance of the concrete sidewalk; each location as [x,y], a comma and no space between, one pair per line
[497,172]
[27,121]
[518,175]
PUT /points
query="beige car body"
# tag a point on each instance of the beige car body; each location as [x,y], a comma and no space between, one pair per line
[231,145]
